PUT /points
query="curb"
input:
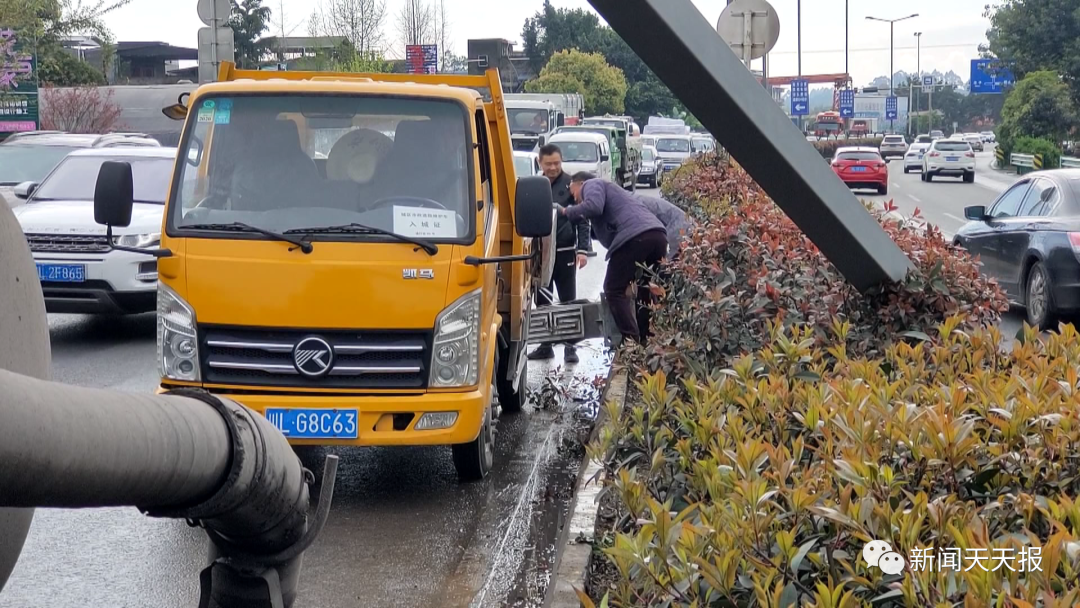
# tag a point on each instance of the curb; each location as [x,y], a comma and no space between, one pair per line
[572,557]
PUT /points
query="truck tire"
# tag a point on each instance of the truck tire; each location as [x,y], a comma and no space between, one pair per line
[510,400]
[475,459]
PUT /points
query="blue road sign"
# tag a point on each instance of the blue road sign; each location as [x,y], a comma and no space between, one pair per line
[800,97]
[847,103]
[890,108]
[928,81]
[990,76]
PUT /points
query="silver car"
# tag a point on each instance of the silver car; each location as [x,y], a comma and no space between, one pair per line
[893,145]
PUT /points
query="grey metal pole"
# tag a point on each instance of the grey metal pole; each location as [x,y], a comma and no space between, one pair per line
[846,38]
[185,455]
[892,126]
[918,66]
[798,51]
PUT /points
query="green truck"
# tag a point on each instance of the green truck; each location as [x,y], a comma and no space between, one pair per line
[625,156]
[623,170]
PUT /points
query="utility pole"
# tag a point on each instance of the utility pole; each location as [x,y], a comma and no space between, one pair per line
[846,38]
[891,22]
[798,51]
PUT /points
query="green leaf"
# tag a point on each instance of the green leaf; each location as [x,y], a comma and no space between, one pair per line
[801,554]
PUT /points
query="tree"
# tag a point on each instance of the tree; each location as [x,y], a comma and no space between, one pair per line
[552,30]
[1039,106]
[416,22]
[46,22]
[248,20]
[1037,35]
[79,110]
[442,36]
[361,22]
[603,86]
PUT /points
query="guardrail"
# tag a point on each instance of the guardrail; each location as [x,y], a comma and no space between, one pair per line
[1069,162]
[1025,163]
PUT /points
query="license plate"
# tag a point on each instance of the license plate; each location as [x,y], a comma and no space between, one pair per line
[303,423]
[952,159]
[858,168]
[62,273]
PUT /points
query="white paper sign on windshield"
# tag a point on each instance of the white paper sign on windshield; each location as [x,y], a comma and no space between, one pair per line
[425,223]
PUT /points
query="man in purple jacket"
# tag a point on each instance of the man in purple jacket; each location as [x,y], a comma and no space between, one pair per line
[632,235]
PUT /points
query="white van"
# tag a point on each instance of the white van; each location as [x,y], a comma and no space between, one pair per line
[674,150]
[584,151]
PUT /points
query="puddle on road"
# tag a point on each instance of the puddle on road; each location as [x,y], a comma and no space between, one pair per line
[573,395]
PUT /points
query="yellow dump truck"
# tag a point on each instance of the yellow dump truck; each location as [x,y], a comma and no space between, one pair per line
[351,255]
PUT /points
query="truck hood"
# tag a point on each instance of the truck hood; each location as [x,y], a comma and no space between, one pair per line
[572,168]
[77,217]
[339,285]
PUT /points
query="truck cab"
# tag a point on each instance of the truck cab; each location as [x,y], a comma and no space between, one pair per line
[585,151]
[352,256]
[532,123]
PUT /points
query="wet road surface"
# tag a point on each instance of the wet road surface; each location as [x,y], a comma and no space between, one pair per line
[402,531]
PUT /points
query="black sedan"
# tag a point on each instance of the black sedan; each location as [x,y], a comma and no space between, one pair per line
[1029,240]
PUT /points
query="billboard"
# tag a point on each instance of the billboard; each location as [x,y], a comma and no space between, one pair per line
[422,58]
[18,86]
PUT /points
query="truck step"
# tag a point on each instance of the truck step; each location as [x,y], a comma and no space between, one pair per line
[577,320]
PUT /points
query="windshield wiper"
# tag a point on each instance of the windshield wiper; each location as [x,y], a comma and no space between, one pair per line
[304,246]
[354,228]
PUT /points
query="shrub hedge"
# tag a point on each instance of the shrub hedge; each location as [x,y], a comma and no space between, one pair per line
[783,420]
[747,265]
[761,486]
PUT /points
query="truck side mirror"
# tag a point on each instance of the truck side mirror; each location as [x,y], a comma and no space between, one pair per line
[560,119]
[532,207]
[114,194]
[542,140]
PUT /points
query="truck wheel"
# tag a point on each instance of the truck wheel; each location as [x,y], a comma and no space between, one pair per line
[474,460]
[510,400]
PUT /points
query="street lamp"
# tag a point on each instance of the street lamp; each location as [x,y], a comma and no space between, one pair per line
[891,22]
[918,67]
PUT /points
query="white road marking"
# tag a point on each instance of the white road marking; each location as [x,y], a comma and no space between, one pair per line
[914,198]
[962,221]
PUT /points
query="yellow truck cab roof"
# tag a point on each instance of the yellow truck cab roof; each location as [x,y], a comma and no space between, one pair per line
[365,86]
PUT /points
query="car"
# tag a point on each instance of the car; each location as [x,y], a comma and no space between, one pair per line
[527,163]
[652,167]
[79,271]
[862,167]
[975,140]
[936,134]
[1029,240]
[28,156]
[585,151]
[923,139]
[953,157]
[913,158]
[988,137]
[702,144]
[893,145]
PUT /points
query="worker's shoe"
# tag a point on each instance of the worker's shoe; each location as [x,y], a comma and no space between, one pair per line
[542,353]
[570,354]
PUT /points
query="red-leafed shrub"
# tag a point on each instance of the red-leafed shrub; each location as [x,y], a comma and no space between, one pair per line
[79,110]
[747,266]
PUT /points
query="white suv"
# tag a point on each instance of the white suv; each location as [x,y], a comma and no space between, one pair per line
[78,270]
[949,157]
[893,145]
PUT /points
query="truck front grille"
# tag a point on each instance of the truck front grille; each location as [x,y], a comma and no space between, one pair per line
[68,243]
[377,359]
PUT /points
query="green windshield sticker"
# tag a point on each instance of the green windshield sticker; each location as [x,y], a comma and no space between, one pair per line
[222,117]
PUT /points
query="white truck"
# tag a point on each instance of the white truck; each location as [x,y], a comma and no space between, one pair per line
[535,116]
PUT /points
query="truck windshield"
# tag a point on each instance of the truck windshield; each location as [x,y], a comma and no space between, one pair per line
[529,121]
[283,162]
[672,145]
[579,152]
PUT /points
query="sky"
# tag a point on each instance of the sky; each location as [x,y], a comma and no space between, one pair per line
[952,29]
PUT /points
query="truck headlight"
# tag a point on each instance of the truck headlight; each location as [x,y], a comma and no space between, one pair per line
[455,352]
[142,241]
[177,341]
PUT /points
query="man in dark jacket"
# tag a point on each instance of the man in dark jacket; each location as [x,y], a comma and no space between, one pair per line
[572,245]
[632,235]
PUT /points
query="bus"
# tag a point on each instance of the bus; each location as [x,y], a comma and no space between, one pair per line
[828,124]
